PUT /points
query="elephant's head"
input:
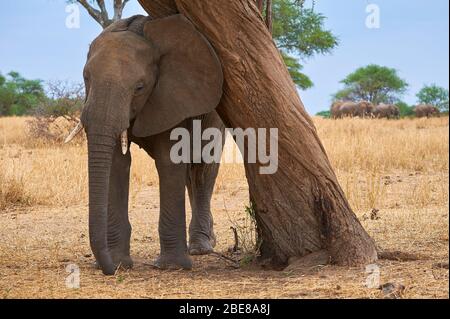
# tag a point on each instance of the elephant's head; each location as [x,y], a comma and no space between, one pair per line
[365,108]
[435,111]
[396,111]
[142,76]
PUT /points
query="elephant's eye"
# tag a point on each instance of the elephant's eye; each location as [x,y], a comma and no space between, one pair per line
[139,88]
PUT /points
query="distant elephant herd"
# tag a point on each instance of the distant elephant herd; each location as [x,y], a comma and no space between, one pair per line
[364,109]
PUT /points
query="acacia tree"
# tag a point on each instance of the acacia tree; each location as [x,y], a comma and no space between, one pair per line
[373,83]
[301,209]
[434,95]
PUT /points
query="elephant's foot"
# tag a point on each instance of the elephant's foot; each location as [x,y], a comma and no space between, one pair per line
[171,262]
[201,244]
[124,262]
[122,259]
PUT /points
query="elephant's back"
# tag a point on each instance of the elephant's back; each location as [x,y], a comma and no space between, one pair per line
[382,107]
[421,109]
[348,106]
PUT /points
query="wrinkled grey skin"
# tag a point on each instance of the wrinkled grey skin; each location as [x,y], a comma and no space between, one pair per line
[136,80]
[352,109]
[425,110]
[388,111]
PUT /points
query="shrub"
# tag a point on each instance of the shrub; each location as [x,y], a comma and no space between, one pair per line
[405,109]
[324,114]
[59,112]
[12,192]
[19,96]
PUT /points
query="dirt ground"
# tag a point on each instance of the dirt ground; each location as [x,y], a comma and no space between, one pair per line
[38,241]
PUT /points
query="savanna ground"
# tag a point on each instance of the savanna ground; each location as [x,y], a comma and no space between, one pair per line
[395,174]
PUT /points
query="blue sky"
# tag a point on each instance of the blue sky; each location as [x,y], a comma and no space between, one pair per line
[412,38]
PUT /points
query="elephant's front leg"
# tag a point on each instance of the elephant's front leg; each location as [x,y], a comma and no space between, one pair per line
[172,220]
[119,227]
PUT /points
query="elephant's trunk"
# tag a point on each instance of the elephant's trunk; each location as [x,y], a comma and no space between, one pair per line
[104,117]
[100,149]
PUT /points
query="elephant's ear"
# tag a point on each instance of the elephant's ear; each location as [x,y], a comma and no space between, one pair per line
[189,80]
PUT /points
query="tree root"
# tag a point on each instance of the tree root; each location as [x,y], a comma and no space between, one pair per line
[396,255]
[317,259]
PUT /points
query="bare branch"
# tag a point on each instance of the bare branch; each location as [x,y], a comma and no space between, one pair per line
[119,5]
[117,9]
[94,13]
[103,12]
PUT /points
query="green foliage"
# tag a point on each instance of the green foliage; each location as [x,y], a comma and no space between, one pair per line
[434,95]
[373,83]
[405,109]
[300,31]
[324,114]
[251,212]
[294,67]
[18,96]
[246,233]
[346,94]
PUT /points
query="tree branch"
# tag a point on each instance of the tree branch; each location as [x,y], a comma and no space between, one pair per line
[119,5]
[104,12]
[94,13]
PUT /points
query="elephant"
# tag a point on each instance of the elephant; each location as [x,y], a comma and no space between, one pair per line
[355,109]
[426,110]
[143,78]
[388,111]
[336,109]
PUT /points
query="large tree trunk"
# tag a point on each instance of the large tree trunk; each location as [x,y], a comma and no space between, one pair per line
[301,209]
[159,8]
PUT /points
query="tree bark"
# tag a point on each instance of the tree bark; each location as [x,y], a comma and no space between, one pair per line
[119,5]
[269,22]
[159,8]
[260,5]
[301,209]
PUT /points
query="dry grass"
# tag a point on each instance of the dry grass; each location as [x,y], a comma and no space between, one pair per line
[13,131]
[386,145]
[397,167]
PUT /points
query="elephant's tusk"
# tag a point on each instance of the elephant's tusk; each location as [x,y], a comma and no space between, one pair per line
[124,142]
[74,133]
